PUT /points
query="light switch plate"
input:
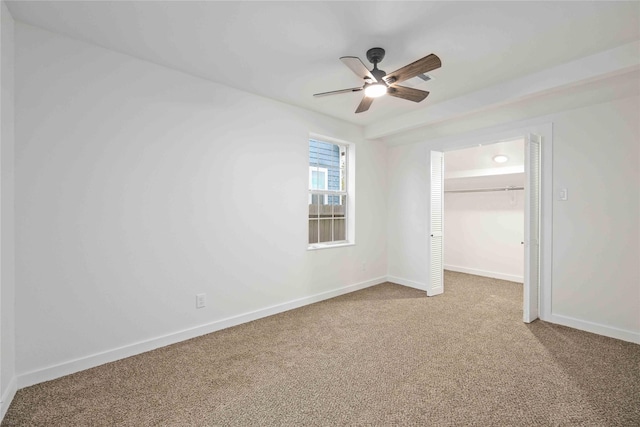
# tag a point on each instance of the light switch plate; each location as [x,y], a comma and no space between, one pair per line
[201,300]
[563,194]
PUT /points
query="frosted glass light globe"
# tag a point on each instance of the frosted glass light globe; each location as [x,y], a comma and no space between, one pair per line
[375,90]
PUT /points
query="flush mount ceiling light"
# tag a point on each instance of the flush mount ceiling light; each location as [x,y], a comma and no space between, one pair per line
[500,158]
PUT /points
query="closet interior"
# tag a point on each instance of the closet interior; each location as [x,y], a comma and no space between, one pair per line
[484,210]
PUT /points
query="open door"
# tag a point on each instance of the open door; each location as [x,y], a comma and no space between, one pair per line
[531,229]
[436,276]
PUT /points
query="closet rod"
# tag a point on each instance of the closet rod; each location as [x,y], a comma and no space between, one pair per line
[481,190]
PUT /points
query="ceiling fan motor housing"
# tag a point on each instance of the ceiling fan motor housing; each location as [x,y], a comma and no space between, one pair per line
[378,74]
[375,55]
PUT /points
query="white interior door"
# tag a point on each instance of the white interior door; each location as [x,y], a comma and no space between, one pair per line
[532,229]
[436,276]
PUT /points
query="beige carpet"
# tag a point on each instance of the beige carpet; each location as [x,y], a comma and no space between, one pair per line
[383,356]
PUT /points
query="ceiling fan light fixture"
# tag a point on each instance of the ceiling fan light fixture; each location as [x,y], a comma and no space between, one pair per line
[375,90]
[378,83]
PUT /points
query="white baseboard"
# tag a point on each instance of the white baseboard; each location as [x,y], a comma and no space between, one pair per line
[7,397]
[407,282]
[80,364]
[484,273]
[595,328]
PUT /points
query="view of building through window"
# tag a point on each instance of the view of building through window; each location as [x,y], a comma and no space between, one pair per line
[327,192]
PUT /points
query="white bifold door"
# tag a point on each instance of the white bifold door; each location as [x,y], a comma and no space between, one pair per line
[531,300]
[436,228]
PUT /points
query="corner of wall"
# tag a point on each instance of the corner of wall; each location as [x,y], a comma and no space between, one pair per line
[7,397]
[8,379]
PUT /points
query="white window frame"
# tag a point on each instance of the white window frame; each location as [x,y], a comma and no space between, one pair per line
[349,192]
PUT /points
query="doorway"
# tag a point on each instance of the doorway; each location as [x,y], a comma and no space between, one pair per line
[484,210]
[482,175]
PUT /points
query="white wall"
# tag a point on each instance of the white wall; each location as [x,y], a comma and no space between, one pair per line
[596,251]
[138,187]
[483,232]
[7,252]
[407,214]
[595,282]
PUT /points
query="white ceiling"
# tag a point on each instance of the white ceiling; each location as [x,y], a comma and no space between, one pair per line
[473,167]
[288,51]
[477,160]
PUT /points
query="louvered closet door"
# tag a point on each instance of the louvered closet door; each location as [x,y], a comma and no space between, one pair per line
[436,278]
[532,229]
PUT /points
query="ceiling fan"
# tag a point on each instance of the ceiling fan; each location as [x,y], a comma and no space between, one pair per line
[378,83]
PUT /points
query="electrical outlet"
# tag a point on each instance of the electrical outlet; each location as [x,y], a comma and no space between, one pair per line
[201,300]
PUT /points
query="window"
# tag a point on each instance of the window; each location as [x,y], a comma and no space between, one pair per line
[329,198]
[318,180]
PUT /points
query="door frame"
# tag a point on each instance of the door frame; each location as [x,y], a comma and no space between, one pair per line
[545,131]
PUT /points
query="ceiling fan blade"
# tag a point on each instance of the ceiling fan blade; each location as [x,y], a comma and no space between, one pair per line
[421,66]
[356,65]
[364,104]
[335,92]
[409,93]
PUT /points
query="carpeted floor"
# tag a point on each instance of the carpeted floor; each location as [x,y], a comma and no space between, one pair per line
[383,356]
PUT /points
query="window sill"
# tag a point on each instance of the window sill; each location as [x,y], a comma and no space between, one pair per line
[319,246]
